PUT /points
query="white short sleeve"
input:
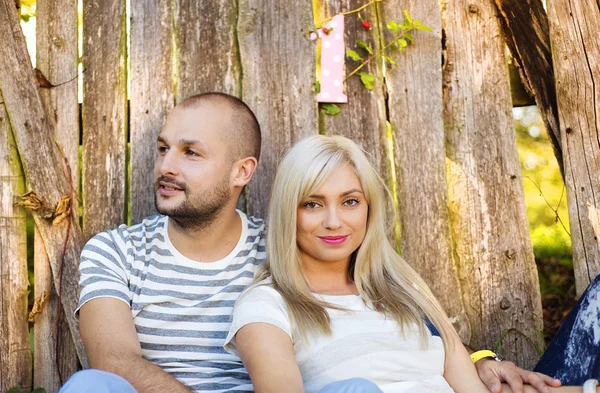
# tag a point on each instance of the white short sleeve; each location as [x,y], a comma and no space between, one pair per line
[261,303]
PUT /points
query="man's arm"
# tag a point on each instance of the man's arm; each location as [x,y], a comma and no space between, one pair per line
[492,373]
[112,345]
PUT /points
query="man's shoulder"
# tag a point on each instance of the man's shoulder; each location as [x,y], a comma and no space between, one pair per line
[126,236]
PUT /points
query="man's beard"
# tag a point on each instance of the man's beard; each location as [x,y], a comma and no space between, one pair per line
[197,211]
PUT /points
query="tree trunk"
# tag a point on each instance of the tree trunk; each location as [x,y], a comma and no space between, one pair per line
[57,59]
[574,27]
[525,25]
[44,165]
[487,206]
[15,353]
[415,112]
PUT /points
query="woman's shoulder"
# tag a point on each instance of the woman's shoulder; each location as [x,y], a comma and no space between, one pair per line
[262,291]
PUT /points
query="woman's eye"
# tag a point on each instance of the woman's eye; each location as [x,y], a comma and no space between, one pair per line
[311,205]
[351,202]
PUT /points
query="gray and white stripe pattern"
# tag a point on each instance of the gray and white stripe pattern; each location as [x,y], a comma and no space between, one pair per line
[181,308]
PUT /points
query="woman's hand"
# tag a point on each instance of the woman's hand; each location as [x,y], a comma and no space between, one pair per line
[493,373]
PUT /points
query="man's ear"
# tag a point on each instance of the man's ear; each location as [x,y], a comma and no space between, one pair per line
[243,170]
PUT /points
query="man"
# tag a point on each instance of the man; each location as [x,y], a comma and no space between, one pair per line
[156,297]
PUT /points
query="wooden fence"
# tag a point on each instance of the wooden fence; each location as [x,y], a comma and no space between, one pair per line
[452,161]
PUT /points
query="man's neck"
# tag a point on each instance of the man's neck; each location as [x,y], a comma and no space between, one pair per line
[211,243]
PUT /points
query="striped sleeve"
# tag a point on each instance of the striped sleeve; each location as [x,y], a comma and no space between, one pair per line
[103,269]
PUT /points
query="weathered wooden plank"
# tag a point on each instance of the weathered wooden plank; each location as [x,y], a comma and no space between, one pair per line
[207,53]
[415,112]
[278,64]
[152,95]
[104,115]
[363,119]
[574,27]
[43,164]
[15,353]
[487,207]
[57,57]
[525,25]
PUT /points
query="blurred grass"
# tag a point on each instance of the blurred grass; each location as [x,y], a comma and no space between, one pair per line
[546,200]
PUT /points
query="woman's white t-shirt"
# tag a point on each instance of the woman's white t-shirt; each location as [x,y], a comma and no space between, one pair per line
[364,344]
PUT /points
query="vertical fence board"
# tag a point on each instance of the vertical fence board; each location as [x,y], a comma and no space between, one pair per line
[15,354]
[57,57]
[206,48]
[152,95]
[488,219]
[363,119]
[415,112]
[104,115]
[576,57]
[278,63]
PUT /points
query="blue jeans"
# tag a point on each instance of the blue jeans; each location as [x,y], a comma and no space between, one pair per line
[573,355]
[97,381]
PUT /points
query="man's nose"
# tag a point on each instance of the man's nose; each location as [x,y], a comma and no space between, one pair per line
[168,164]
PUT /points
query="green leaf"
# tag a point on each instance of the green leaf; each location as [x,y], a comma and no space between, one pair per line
[39,390]
[407,19]
[393,47]
[424,28]
[331,109]
[391,60]
[317,86]
[368,80]
[402,43]
[353,55]
[365,46]
[16,389]
[393,26]
[408,36]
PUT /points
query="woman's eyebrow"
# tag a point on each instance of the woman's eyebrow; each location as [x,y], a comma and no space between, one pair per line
[343,194]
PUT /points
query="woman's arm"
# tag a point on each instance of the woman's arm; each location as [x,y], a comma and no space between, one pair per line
[268,354]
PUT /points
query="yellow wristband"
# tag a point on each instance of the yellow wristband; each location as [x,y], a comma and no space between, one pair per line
[477,356]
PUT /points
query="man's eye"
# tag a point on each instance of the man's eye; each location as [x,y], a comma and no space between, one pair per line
[162,149]
[191,153]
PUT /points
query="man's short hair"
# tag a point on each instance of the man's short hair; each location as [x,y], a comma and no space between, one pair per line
[243,135]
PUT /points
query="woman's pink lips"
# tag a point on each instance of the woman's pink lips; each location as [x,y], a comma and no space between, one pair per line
[334,240]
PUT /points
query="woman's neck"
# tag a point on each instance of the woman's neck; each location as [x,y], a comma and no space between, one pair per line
[329,278]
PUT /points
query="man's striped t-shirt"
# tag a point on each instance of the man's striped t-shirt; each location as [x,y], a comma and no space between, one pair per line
[181,308]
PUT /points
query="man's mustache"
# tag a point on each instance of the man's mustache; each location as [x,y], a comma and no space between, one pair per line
[171,180]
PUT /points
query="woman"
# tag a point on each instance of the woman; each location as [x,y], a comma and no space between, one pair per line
[335,302]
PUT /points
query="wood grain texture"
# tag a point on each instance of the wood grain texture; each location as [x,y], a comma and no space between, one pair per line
[15,353]
[57,57]
[363,119]
[278,63]
[152,96]
[574,27]
[526,29]
[207,55]
[43,164]
[104,115]
[415,112]
[487,206]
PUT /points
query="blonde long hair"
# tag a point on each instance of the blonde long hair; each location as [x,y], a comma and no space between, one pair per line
[381,276]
